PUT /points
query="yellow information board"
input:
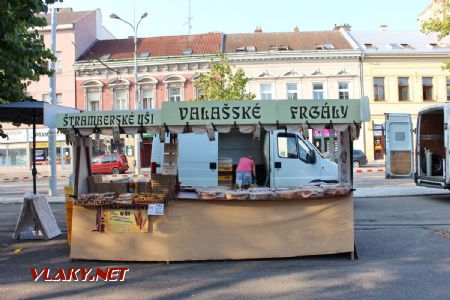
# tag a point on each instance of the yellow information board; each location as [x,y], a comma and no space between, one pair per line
[126,220]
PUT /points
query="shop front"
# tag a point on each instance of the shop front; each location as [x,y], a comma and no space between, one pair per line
[378,141]
[14,150]
[157,220]
[63,151]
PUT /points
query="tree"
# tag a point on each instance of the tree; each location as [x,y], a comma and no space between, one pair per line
[220,83]
[439,23]
[23,56]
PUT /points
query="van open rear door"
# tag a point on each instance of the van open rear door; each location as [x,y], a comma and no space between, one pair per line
[399,146]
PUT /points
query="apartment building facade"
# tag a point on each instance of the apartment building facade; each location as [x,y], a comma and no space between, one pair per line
[402,73]
[76,31]
[167,69]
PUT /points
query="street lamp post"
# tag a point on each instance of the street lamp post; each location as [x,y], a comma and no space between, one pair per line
[137,101]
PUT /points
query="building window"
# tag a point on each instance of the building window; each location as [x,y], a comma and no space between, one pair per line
[46,98]
[174,94]
[266,91]
[378,89]
[448,89]
[427,88]
[291,90]
[120,99]
[403,89]
[58,62]
[92,93]
[344,91]
[199,94]
[148,98]
[318,91]
[93,101]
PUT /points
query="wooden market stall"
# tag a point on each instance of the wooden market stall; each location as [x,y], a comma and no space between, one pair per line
[163,225]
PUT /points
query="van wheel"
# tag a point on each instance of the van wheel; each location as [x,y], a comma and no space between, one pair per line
[115,171]
[356,164]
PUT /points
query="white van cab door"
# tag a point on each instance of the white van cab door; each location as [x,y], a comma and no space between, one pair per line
[197,160]
[399,146]
[292,162]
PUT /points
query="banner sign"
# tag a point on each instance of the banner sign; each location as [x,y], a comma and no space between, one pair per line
[284,112]
[108,119]
[219,112]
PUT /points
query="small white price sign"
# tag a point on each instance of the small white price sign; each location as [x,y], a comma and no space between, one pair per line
[156,209]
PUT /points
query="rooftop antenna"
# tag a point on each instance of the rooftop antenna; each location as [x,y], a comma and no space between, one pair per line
[188,23]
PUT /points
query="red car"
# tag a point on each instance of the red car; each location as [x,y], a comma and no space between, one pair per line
[109,164]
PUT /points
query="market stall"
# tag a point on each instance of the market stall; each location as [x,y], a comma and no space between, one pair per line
[152,220]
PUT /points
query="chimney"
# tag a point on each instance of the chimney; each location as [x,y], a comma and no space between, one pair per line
[383,27]
[345,26]
[296,29]
[64,9]
[258,29]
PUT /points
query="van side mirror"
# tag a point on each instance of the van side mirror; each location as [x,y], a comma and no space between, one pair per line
[311,157]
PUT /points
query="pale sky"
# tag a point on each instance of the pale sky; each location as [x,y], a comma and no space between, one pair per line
[169,17]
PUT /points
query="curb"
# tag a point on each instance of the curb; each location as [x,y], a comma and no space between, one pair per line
[369,170]
[117,176]
[29,178]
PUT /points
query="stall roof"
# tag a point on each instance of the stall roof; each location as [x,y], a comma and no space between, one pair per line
[175,116]
[22,112]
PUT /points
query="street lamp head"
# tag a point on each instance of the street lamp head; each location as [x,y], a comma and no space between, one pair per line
[114,16]
[144,15]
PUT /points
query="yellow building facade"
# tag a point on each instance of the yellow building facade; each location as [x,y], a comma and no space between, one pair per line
[402,73]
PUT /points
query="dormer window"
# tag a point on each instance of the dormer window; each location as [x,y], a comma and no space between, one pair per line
[279,48]
[370,46]
[395,46]
[246,49]
[105,56]
[320,47]
[250,48]
[328,46]
[187,52]
[144,54]
[407,46]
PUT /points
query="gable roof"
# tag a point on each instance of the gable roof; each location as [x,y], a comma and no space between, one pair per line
[400,42]
[209,43]
[297,41]
[66,16]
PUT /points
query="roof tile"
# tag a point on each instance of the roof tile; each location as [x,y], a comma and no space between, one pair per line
[209,43]
[263,41]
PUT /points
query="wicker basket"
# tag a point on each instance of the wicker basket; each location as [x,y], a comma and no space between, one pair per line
[164,184]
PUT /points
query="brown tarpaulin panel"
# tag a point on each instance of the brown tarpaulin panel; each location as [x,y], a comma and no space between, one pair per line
[216,230]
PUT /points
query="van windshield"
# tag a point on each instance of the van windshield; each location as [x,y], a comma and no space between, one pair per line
[312,147]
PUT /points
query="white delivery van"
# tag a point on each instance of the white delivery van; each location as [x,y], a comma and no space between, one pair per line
[429,163]
[282,158]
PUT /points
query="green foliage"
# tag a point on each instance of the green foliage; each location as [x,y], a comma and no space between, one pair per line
[220,83]
[440,22]
[23,56]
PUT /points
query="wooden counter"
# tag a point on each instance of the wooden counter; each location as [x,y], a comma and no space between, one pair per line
[217,230]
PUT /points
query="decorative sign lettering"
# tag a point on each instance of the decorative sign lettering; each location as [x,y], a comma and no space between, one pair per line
[319,111]
[109,119]
[223,113]
[219,112]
